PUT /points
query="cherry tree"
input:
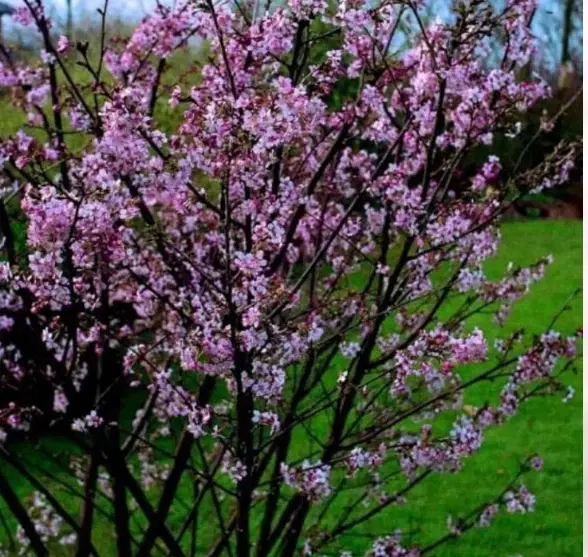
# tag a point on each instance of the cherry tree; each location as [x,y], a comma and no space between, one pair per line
[278,254]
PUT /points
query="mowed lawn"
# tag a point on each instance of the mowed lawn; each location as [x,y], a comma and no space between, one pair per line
[545,426]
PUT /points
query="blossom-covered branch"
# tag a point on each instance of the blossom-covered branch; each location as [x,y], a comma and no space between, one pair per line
[273,260]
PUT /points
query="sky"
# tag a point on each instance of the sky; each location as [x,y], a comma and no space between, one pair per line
[124,9]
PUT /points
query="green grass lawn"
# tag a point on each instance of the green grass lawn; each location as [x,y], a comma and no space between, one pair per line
[546,426]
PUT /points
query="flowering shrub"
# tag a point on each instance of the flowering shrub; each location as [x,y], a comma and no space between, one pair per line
[223,271]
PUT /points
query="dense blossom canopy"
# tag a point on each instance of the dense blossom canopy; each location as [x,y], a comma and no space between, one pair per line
[279,257]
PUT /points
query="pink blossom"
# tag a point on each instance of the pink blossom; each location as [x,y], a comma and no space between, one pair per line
[487,515]
[312,480]
[92,420]
[267,418]
[60,402]
[62,44]
[520,500]
[47,57]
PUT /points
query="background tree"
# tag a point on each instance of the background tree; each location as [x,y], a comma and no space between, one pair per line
[69,19]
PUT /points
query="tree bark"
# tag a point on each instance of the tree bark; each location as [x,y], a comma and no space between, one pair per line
[567,30]
[69,20]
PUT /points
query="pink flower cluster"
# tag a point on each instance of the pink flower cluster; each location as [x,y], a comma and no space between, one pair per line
[312,480]
[519,501]
[47,523]
[390,546]
[360,458]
